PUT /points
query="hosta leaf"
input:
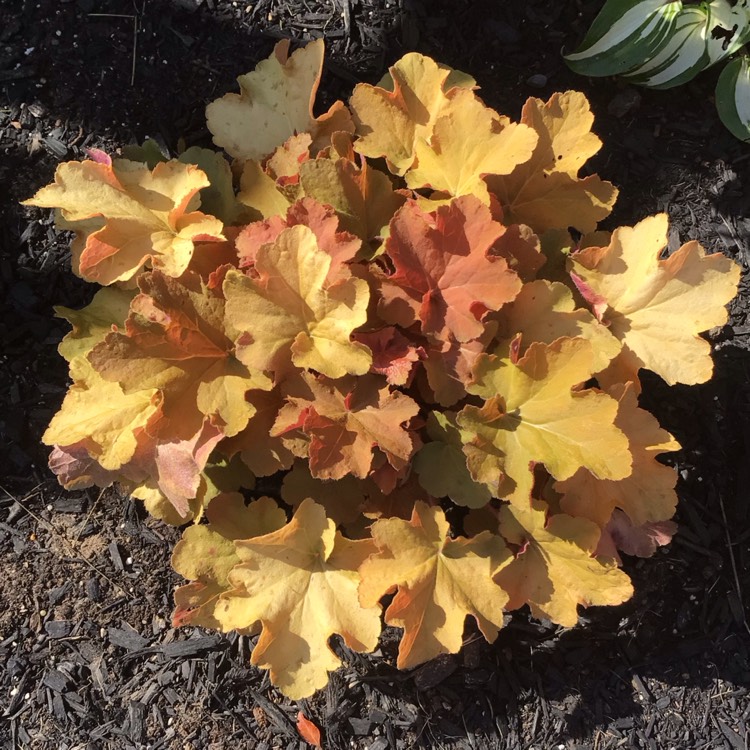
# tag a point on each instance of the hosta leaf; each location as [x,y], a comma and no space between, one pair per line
[131,216]
[733,98]
[647,495]
[444,276]
[657,307]
[625,34]
[301,583]
[545,191]
[682,56]
[178,339]
[440,581]
[468,141]
[291,317]
[554,570]
[275,102]
[532,415]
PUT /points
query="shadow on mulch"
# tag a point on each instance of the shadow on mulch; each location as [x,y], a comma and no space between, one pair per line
[87,657]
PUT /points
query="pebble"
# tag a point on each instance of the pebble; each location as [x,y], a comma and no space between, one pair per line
[537,81]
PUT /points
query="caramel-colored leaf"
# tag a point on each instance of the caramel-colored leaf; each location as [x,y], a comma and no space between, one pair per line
[648,494]
[392,116]
[468,142]
[532,415]
[131,216]
[440,581]
[657,307]
[288,314]
[301,583]
[444,276]
[275,102]
[545,311]
[349,417]
[554,570]
[179,339]
[545,191]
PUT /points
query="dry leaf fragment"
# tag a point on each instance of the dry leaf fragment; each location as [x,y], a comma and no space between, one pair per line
[275,103]
[554,570]
[532,415]
[440,581]
[131,217]
[657,307]
[301,583]
[307,730]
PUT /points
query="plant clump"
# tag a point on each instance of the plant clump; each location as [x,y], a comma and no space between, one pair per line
[402,316]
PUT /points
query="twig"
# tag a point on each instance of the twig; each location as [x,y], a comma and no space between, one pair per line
[734,562]
[135,35]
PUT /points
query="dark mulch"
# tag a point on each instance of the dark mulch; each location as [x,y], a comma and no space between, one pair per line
[87,656]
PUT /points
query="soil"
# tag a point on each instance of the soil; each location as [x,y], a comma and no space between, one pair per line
[87,655]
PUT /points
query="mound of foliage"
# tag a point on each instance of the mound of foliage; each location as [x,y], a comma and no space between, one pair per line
[399,314]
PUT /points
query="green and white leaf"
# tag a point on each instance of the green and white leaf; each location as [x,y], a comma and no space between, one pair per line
[733,97]
[728,17]
[682,57]
[624,35]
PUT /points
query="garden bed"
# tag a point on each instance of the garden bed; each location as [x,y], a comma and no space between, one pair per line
[87,654]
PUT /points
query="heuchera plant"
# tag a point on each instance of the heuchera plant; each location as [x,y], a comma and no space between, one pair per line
[660,44]
[382,311]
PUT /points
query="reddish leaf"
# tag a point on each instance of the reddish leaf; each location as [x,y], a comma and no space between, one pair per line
[308,731]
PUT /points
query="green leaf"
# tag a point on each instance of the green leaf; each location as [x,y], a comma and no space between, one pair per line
[624,35]
[442,467]
[682,57]
[218,198]
[733,98]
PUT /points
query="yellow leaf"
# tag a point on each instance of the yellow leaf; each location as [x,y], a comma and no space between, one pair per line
[108,308]
[468,141]
[147,217]
[647,495]
[545,311]
[532,415]
[545,191]
[391,117]
[301,583]
[440,581]
[206,554]
[179,339]
[656,307]
[554,570]
[100,413]
[260,192]
[275,103]
[291,316]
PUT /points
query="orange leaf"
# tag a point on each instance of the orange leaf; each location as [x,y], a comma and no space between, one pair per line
[308,731]
[444,276]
